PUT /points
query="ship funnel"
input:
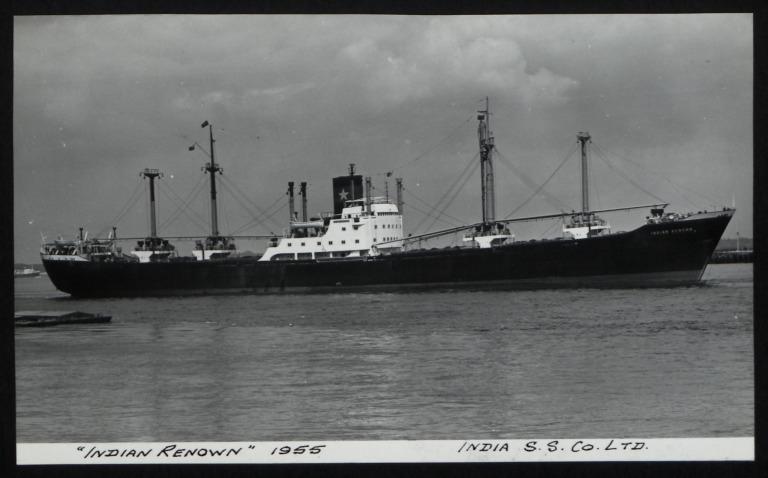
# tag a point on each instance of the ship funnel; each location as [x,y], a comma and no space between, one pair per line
[346,188]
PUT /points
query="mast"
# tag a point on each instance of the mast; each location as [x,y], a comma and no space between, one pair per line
[291,205]
[151,174]
[490,189]
[399,182]
[584,138]
[352,180]
[303,193]
[368,194]
[488,195]
[212,168]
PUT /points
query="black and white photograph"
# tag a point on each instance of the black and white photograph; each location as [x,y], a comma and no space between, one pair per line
[528,236]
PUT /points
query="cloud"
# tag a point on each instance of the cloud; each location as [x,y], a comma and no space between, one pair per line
[441,59]
[280,92]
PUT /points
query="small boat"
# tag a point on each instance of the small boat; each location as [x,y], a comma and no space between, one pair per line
[40,318]
[17,273]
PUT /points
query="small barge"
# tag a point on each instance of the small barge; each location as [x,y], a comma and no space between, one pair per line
[42,318]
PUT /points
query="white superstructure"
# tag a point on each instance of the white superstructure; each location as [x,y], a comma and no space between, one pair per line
[583,225]
[490,235]
[81,249]
[214,247]
[154,249]
[362,229]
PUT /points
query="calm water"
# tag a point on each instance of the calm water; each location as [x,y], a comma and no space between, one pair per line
[429,365]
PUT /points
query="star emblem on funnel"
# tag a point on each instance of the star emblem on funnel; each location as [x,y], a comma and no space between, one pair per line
[343,195]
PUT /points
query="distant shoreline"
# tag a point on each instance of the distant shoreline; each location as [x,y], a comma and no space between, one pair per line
[732,256]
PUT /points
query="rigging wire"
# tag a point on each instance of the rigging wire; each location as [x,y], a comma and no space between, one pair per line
[278,210]
[678,187]
[593,182]
[183,204]
[562,163]
[248,225]
[468,169]
[448,191]
[183,208]
[410,193]
[547,226]
[245,206]
[182,201]
[525,179]
[551,226]
[474,167]
[171,219]
[225,216]
[233,185]
[260,221]
[127,206]
[430,215]
[432,148]
[625,176]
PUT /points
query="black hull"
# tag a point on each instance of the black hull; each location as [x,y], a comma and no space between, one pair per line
[654,255]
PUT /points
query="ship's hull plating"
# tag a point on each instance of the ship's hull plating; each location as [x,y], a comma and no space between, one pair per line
[654,255]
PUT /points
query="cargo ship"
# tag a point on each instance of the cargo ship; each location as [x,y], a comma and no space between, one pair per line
[361,244]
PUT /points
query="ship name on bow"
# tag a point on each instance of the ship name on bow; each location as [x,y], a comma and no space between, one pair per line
[679,230]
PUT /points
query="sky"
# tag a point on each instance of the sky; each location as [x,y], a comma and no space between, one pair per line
[667,100]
